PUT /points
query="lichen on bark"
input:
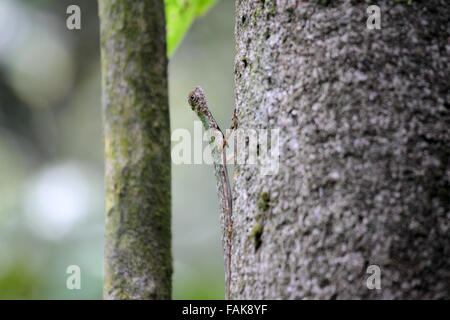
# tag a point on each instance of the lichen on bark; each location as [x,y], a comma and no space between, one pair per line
[364,150]
[138,261]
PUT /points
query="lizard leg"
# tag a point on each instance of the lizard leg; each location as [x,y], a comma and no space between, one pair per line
[230,131]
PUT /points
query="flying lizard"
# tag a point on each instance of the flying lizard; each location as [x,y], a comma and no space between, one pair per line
[197,101]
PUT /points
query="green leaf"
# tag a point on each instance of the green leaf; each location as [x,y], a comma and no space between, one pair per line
[179,16]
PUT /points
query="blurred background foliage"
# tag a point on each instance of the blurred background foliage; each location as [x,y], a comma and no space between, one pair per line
[179,16]
[51,151]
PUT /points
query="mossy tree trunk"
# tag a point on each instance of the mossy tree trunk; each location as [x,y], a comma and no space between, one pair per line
[364,150]
[138,261]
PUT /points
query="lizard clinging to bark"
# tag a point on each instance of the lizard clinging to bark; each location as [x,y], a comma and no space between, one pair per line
[197,101]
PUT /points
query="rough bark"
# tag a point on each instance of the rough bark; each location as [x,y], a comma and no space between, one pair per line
[364,164]
[138,261]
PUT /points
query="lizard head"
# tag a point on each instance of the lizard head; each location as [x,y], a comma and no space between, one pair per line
[196,99]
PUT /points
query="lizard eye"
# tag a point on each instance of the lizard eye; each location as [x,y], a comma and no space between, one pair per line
[192,97]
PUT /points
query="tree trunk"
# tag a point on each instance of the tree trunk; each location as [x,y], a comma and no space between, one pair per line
[364,150]
[138,261]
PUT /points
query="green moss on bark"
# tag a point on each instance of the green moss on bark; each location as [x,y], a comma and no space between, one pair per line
[138,261]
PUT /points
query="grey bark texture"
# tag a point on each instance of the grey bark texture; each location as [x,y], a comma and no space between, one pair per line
[364,175]
[138,261]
